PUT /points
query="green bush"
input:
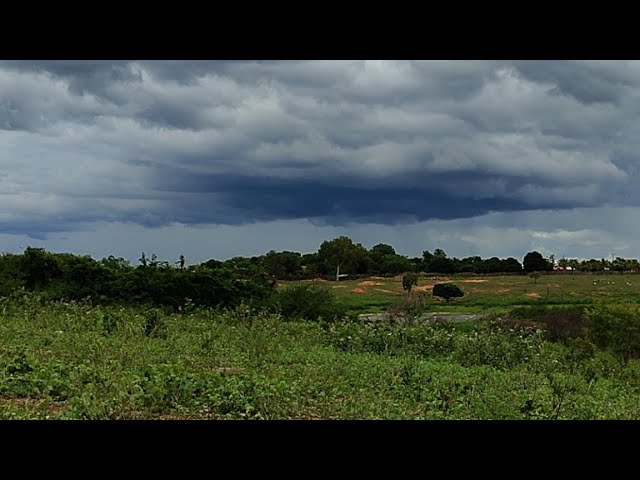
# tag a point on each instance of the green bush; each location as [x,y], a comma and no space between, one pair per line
[409,280]
[558,323]
[308,302]
[617,328]
[408,308]
[447,291]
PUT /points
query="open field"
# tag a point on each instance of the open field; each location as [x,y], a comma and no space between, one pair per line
[495,294]
[73,361]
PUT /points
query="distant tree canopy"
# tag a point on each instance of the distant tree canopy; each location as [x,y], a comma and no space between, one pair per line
[342,253]
[535,262]
[283,264]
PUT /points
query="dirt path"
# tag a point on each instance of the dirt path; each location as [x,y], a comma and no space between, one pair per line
[427,317]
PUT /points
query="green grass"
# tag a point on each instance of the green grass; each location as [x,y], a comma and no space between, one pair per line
[74,361]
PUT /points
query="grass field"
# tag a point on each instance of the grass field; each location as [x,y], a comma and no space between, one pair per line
[495,294]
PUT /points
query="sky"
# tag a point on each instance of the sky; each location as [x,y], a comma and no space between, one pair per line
[214,159]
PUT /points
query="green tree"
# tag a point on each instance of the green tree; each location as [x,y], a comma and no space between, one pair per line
[511,265]
[447,291]
[408,281]
[427,256]
[38,267]
[535,262]
[282,264]
[439,253]
[340,252]
[395,264]
[441,264]
[115,263]
[377,254]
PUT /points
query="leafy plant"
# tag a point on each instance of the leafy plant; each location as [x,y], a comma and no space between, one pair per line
[616,327]
[447,291]
[308,302]
[408,281]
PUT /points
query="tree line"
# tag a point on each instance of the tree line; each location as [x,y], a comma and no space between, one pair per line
[216,283]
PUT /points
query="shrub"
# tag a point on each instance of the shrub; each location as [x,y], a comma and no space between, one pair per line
[154,325]
[558,324]
[409,280]
[308,302]
[616,327]
[447,291]
[408,308]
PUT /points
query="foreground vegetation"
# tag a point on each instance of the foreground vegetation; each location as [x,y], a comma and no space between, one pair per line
[73,360]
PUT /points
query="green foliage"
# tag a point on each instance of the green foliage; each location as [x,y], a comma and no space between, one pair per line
[408,308]
[615,327]
[242,363]
[154,325]
[283,265]
[341,252]
[113,280]
[38,267]
[408,281]
[447,291]
[535,262]
[558,323]
[309,302]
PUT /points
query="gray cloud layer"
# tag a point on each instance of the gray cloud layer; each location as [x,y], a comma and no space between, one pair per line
[336,142]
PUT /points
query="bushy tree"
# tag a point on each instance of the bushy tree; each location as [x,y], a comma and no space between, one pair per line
[38,267]
[535,262]
[376,257]
[447,291]
[282,264]
[408,281]
[440,264]
[341,252]
[511,265]
[308,302]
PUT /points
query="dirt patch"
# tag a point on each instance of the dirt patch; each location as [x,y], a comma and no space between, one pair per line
[369,283]
[473,281]
[318,280]
[532,295]
[32,404]
[358,290]
[338,286]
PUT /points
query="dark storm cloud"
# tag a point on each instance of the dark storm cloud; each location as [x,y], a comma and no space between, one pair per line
[588,82]
[338,142]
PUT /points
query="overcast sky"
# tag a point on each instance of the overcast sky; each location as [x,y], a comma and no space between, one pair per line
[214,159]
